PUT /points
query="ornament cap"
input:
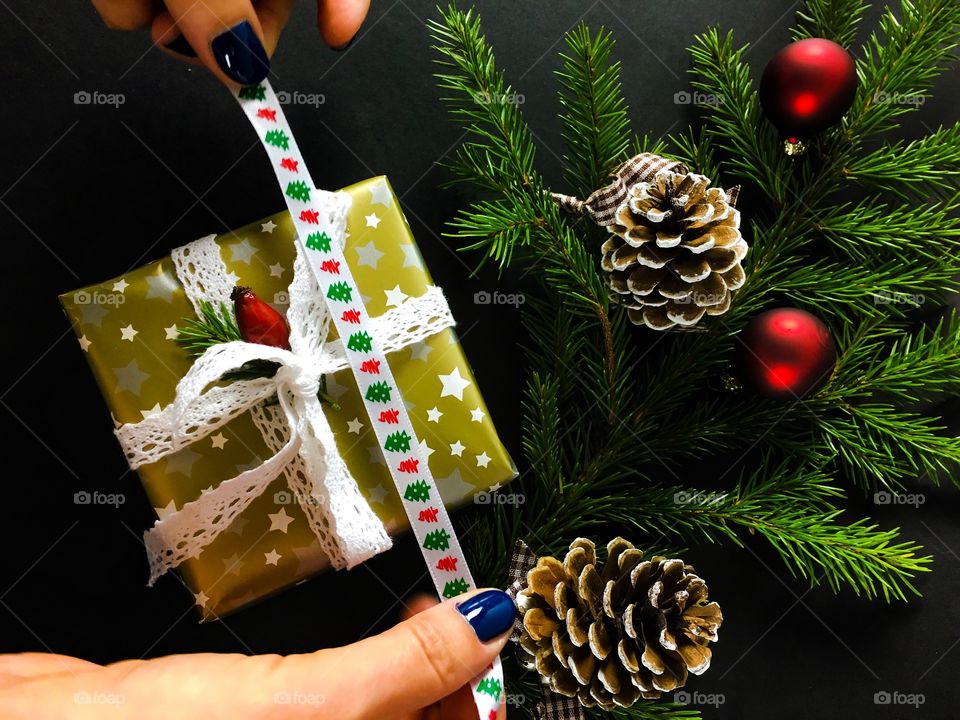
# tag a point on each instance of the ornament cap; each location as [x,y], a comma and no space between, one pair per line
[794,147]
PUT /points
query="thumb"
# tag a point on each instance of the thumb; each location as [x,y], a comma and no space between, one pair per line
[423,659]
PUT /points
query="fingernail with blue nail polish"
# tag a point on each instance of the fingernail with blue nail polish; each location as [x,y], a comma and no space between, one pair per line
[490,613]
[181,46]
[240,54]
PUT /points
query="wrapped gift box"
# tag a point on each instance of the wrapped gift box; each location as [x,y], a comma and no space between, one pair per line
[128,326]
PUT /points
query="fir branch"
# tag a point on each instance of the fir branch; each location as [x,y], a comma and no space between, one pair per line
[928,234]
[914,168]
[595,124]
[735,122]
[215,325]
[899,63]
[835,20]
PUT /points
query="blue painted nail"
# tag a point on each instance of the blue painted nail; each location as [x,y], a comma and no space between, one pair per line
[181,46]
[240,54]
[490,613]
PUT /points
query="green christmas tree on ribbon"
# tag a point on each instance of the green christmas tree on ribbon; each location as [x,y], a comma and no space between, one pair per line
[417,491]
[339,291]
[360,342]
[318,241]
[378,392]
[298,190]
[397,442]
[455,587]
[437,540]
[490,686]
[253,92]
[278,138]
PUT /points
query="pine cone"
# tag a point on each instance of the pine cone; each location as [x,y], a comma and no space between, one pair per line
[676,250]
[609,636]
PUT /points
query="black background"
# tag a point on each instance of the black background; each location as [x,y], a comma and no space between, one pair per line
[89,192]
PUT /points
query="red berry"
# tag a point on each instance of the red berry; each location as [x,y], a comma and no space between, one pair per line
[258,322]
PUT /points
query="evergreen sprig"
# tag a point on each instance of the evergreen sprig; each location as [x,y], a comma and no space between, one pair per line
[862,230]
[214,326]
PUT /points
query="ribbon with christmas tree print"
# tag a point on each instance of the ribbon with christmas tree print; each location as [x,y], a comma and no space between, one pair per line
[320,218]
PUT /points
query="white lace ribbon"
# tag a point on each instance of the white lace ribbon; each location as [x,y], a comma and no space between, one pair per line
[295,429]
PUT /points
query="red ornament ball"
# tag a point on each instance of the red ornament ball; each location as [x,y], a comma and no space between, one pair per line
[258,322]
[786,353]
[808,86]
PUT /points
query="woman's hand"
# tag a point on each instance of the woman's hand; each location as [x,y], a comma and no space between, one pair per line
[417,670]
[233,38]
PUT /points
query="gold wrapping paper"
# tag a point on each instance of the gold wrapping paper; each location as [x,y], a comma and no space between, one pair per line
[127,328]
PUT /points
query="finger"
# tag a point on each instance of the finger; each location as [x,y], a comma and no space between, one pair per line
[417,604]
[339,20]
[26,665]
[127,14]
[273,16]
[421,660]
[226,35]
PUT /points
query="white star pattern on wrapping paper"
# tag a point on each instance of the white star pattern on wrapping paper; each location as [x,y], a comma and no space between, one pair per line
[91,314]
[130,378]
[242,252]
[232,564]
[280,520]
[420,351]
[376,457]
[380,194]
[378,494]
[425,450]
[168,509]
[232,278]
[355,426]
[268,227]
[411,257]
[457,448]
[172,332]
[128,333]
[368,255]
[276,270]
[477,415]
[335,389]
[272,557]
[237,526]
[201,599]
[85,343]
[434,415]
[161,287]
[155,410]
[372,220]
[121,285]
[495,487]
[218,441]
[483,459]
[453,384]
[182,461]
[395,297]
